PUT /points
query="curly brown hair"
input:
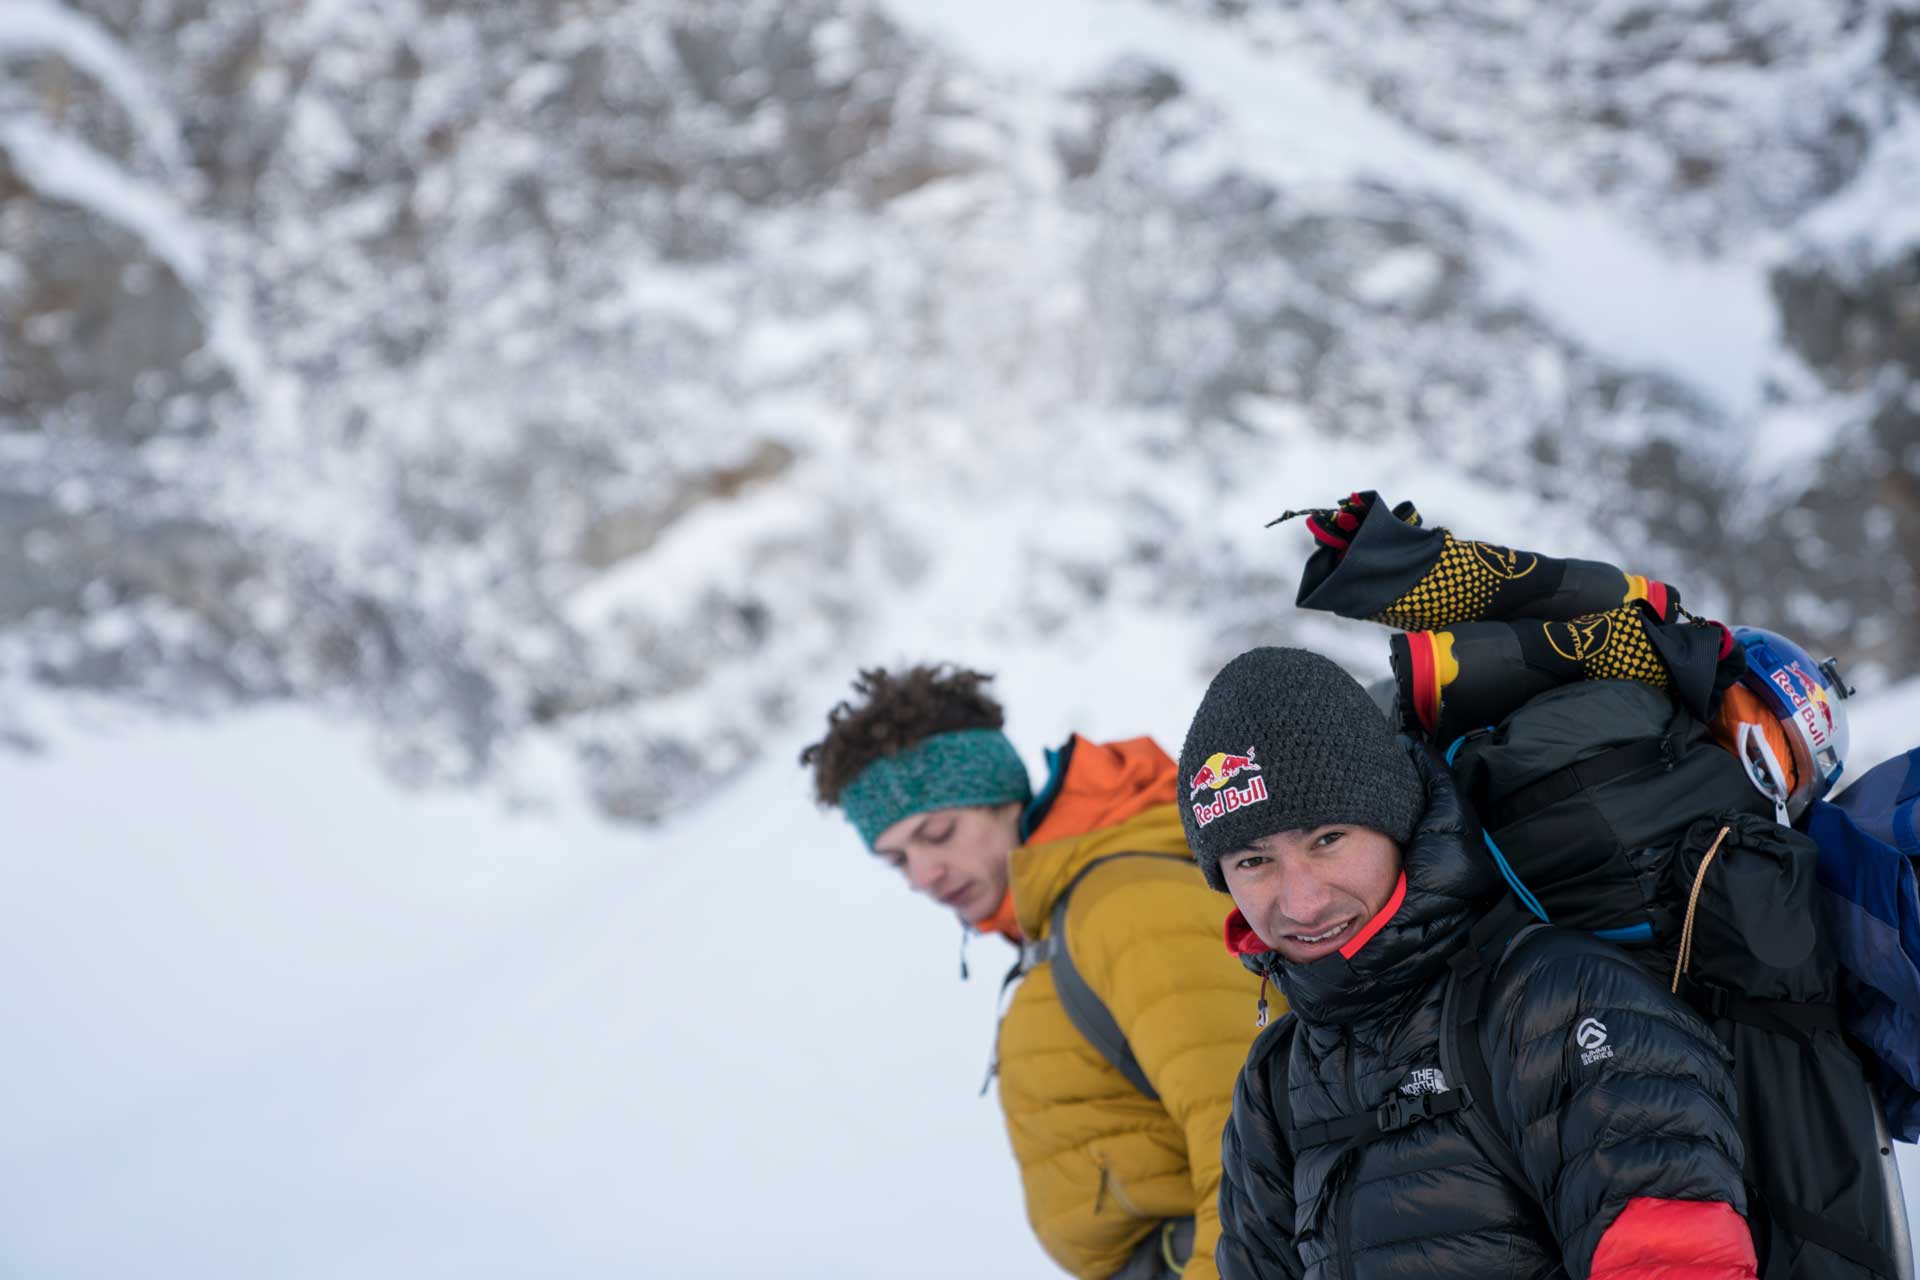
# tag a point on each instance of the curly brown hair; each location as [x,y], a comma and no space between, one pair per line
[900,709]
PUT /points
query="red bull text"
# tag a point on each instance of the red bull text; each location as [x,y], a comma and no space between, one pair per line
[1815,712]
[1229,799]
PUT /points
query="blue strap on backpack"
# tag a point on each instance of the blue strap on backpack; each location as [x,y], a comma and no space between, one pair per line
[1869,848]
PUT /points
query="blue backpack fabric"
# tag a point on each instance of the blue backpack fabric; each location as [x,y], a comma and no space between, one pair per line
[1869,846]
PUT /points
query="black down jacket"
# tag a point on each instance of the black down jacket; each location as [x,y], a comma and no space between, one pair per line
[1607,1088]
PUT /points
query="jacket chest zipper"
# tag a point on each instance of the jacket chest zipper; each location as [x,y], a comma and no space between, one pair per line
[1343,1196]
[1342,1204]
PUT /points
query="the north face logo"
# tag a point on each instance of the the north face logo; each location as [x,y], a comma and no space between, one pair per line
[1591,1035]
[1423,1080]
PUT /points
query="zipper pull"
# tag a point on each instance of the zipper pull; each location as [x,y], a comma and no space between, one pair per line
[966,936]
[1261,1008]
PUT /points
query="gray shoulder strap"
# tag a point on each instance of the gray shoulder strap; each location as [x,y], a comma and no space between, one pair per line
[1085,1009]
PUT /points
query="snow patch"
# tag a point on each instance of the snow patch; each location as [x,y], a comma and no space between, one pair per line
[65,169]
[1881,724]
[778,349]
[1402,277]
[710,548]
[1877,215]
[31,28]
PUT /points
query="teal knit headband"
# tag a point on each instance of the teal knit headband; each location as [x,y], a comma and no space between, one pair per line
[946,771]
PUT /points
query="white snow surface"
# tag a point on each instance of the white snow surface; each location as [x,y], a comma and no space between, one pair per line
[274,1017]
[279,1018]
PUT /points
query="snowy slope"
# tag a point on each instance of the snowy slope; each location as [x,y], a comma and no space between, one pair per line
[289,1021]
[275,1018]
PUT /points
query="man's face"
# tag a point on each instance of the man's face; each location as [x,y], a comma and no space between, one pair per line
[1306,893]
[957,857]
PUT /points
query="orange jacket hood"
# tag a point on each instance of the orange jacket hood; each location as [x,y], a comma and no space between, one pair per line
[1105,785]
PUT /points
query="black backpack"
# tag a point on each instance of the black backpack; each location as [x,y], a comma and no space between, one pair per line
[1610,809]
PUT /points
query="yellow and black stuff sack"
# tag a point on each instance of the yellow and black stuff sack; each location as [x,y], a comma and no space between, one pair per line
[1473,675]
[1395,569]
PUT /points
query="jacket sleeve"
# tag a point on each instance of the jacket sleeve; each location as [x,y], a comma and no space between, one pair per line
[1621,1106]
[1149,944]
[1256,1183]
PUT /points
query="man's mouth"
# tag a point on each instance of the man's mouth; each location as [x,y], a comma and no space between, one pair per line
[1325,935]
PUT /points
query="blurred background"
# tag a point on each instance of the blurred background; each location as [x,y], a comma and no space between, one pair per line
[452,456]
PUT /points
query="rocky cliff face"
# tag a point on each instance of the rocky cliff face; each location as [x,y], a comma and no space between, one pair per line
[603,374]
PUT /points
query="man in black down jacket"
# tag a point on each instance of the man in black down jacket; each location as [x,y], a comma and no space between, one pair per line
[1356,875]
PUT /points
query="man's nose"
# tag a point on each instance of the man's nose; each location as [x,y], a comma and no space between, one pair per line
[923,871]
[1302,898]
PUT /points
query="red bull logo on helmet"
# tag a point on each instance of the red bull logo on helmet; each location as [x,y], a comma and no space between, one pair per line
[1810,702]
[1220,768]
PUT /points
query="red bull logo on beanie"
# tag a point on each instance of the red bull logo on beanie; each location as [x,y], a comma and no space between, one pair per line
[1220,768]
[1229,800]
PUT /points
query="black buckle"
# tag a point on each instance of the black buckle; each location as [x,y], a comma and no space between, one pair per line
[1400,1112]
[1710,1002]
[1404,1112]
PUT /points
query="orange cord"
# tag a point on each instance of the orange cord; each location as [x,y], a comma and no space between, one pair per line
[1693,902]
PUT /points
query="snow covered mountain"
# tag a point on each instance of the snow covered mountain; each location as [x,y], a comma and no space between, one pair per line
[595,377]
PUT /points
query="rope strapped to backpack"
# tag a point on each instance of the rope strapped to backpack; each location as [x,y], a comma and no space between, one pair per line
[1693,905]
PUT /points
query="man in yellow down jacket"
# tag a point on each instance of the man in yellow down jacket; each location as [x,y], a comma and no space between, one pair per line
[1121,1183]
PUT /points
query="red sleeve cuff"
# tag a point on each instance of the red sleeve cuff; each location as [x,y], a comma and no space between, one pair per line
[1676,1240]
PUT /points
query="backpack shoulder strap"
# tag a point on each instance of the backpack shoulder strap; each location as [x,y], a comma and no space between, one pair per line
[1085,1009]
[1462,1059]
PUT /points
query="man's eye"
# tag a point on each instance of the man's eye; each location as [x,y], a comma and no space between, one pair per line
[1331,837]
[1250,861]
[940,837]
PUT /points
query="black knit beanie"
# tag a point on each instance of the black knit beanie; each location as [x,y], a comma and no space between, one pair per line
[1285,740]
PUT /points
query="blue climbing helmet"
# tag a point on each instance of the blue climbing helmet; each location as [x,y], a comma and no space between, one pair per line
[1807,697]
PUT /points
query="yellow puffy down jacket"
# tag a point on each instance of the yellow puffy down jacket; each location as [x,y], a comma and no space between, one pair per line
[1103,1165]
